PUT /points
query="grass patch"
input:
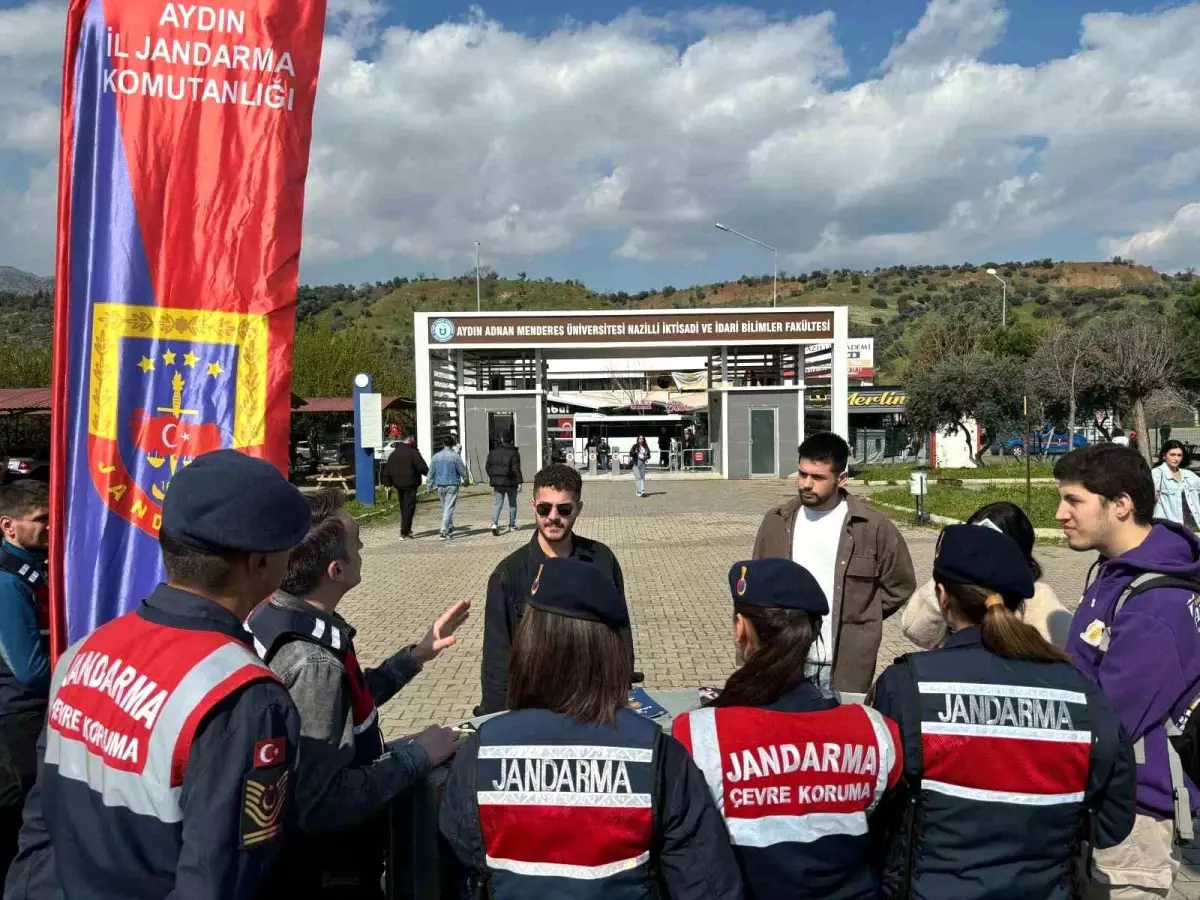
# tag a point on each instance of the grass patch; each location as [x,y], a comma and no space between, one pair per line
[993,468]
[960,502]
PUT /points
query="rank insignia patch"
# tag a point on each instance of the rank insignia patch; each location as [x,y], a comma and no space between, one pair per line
[263,792]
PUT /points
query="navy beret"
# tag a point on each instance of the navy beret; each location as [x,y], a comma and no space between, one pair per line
[228,502]
[777,583]
[969,554]
[579,590]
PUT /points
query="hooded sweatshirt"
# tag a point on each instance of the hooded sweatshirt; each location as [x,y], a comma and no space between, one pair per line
[1152,667]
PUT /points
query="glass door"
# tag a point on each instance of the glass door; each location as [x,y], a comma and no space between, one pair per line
[764,442]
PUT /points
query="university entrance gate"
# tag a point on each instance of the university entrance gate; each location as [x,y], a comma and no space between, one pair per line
[732,381]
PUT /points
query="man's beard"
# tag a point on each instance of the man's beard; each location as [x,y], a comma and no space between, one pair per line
[544,529]
[811,500]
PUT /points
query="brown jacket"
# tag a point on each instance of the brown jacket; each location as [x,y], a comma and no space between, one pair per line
[876,579]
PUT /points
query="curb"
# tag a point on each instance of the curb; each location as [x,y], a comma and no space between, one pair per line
[1043,534]
[391,506]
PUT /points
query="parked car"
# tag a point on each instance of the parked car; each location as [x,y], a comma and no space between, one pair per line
[304,452]
[1039,444]
[382,453]
[29,462]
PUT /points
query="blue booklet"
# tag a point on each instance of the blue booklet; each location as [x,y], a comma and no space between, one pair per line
[642,704]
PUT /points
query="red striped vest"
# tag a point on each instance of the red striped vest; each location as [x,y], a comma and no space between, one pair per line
[125,704]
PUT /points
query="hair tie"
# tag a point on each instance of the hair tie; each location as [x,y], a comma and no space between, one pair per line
[993,600]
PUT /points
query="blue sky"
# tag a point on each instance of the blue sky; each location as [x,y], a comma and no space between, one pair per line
[600,141]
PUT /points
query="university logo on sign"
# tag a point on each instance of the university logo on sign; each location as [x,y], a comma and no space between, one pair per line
[442,330]
[167,385]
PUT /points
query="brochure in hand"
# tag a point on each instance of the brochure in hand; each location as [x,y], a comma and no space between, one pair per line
[642,704]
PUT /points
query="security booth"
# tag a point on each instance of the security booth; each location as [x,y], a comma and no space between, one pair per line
[738,394]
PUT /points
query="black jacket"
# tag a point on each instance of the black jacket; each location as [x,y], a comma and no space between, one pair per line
[507,591]
[404,468]
[504,468]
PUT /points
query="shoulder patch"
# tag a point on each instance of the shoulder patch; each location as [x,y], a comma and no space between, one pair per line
[263,795]
[270,753]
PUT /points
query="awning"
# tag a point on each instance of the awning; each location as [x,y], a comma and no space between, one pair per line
[346,404]
[15,400]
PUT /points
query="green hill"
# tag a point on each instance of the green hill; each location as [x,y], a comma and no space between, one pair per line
[883,303]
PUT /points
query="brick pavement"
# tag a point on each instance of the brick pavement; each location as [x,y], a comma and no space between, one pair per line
[675,548]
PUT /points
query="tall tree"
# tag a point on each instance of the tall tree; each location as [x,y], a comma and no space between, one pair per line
[1139,355]
[948,394]
[1067,368]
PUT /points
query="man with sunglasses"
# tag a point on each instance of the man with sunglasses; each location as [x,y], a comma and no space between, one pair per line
[557,503]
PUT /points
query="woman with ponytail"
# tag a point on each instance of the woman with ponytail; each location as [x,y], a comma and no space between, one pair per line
[795,773]
[1012,758]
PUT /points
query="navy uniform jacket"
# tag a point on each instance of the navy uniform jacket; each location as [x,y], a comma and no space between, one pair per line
[24,669]
[686,843]
[74,845]
[24,644]
[1009,765]
[796,781]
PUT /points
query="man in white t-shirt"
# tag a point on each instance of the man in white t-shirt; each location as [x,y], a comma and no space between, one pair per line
[855,553]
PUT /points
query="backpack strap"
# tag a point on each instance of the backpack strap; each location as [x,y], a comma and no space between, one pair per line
[1184,831]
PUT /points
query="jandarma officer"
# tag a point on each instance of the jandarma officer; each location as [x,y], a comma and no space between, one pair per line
[170,745]
[571,794]
[1012,758]
[794,772]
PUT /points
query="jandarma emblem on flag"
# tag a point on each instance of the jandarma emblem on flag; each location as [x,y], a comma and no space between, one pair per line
[165,384]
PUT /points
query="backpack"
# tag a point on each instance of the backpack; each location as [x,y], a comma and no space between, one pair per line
[1183,739]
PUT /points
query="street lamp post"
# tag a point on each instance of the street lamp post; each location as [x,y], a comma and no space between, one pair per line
[478,293]
[1003,298]
[775,281]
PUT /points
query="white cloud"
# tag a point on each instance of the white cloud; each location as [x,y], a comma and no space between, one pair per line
[31,39]
[1171,245]
[654,128]
[950,31]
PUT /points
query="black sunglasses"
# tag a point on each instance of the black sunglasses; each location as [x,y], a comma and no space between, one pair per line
[566,510]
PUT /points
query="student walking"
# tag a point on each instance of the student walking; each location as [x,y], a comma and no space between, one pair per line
[639,457]
[447,473]
[504,474]
[1176,487]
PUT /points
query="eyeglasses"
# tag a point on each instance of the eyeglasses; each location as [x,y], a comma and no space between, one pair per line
[566,510]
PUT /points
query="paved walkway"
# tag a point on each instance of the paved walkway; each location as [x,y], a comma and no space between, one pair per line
[675,547]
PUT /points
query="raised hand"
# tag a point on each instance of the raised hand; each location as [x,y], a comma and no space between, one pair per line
[441,635]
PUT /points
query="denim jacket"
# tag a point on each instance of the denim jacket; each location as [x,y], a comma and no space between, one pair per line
[1170,495]
[446,469]
[333,792]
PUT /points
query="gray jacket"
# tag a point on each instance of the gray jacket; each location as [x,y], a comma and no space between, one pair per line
[333,791]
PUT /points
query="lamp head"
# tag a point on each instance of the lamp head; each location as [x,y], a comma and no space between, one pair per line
[991,271]
[722,227]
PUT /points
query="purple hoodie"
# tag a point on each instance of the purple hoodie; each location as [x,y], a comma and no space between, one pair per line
[1152,667]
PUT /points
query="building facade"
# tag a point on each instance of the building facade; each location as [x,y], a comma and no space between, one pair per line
[727,385]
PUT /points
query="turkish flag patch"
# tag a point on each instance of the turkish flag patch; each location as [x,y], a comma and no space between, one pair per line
[270,753]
